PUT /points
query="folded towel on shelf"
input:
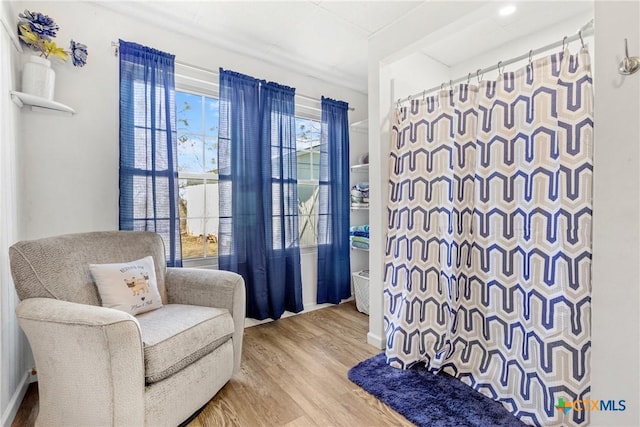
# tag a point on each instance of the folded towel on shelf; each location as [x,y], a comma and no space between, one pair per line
[362,186]
[363,204]
[364,227]
[359,242]
[360,193]
[359,233]
[360,245]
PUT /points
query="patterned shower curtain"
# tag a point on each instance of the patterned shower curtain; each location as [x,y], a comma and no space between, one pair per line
[488,254]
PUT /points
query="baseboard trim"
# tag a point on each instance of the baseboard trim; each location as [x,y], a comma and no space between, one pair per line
[375,341]
[249,322]
[16,400]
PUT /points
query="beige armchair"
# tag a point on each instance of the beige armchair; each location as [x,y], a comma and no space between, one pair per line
[99,366]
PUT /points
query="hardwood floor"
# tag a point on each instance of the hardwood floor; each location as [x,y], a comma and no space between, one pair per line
[294,373]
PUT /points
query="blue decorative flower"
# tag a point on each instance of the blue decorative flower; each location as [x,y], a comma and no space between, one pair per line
[78,53]
[40,24]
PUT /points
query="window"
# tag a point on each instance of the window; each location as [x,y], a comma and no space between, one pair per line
[308,150]
[197,119]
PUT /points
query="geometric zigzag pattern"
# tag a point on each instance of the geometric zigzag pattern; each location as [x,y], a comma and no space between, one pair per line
[488,251]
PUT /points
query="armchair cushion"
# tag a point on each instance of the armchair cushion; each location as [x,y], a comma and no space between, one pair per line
[176,335]
[130,287]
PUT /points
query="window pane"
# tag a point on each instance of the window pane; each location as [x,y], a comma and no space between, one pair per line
[307,139]
[189,112]
[190,153]
[308,231]
[307,213]
[212,207]
[139,95]
[304,165]
[211,154]
[315,162]
[211,238]
[192,245]
[307,133]
[191,206]
[306,194]
[212,115]
[191,196]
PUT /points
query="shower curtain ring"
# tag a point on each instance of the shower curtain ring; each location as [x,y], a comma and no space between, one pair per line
[581,39]
[424,95]
[478,76]
[500,71]
[451,85]
[468,78]
[530,58]
[442,86]
[564,41]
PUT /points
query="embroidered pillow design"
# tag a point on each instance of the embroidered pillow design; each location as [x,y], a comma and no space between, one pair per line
[131,287]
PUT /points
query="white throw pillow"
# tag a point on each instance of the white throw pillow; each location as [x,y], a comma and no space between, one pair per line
[131,286]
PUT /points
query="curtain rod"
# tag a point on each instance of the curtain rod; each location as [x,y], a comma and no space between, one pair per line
[115,46]
[586,30]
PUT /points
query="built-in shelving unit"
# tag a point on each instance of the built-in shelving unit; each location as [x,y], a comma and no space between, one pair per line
[40,104]
[360,216]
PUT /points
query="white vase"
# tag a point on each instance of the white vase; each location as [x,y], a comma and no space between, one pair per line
[38,78]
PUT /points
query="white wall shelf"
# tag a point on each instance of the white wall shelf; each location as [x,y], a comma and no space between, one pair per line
[360,168]
[39,104]
[355,248]
[359,208]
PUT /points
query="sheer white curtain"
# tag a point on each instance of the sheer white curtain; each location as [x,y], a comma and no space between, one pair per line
[488,256]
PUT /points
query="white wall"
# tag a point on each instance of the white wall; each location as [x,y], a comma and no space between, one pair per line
[415,73]
[615,361]
[15,358]
[615,357]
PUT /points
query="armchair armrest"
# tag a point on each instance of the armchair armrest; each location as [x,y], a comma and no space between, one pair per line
[90,360]
[211,288]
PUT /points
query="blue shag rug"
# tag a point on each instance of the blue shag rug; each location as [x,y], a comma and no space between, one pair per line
[427,399]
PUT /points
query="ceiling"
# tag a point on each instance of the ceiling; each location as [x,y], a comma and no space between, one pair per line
[329,39]
[488,30]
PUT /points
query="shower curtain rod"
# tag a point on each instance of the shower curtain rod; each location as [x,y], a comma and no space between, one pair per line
[586,30]
[115,46]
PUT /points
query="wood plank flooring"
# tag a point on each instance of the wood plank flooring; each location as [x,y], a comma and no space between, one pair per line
[294,373]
